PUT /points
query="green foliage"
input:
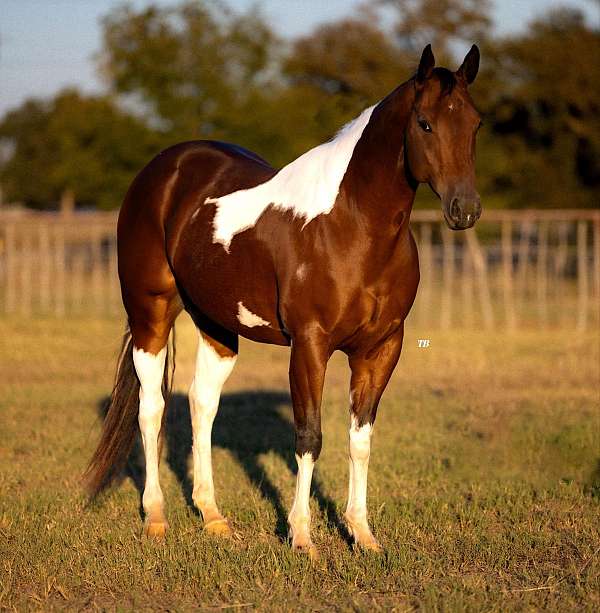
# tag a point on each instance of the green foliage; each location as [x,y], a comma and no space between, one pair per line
[547,117]
[201,70]
[196,66]
[439,22]
[72,142]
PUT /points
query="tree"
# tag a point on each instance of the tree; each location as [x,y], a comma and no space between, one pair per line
[194,68]
[545,118]
[439,22]
[332,74]
[72,142]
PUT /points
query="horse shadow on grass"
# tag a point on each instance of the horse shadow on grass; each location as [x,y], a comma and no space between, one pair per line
[248,424]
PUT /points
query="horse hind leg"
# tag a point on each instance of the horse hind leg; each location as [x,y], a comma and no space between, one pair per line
[150,324]
[214,362]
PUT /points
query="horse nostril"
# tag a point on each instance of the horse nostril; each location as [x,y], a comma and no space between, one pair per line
[454,209]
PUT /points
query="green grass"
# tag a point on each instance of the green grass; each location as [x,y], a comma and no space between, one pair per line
[484,486]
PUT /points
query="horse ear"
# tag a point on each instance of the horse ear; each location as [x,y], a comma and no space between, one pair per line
[468,69]
[426,65]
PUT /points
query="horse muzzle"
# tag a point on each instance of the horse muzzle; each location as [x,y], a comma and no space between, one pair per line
[462,212]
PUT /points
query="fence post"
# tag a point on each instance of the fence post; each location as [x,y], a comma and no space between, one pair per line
[10,299]
[562,253]
[96,266]
[542,268]
[597,258]
[59,269]
[582,273]
[467,311]
[26,278]
[523,260]
[44,264]
[113,278]
[507,275]
[77,278]
[480,266]
[427,268]
[447,277]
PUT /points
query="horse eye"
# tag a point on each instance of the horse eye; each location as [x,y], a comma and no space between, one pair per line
[424,125]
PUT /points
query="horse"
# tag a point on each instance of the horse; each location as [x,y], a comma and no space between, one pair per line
[317,256]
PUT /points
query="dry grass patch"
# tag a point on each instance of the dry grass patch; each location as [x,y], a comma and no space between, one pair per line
[484,488]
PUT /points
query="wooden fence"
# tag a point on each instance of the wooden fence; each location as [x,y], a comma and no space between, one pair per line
[516,269]
[58,264]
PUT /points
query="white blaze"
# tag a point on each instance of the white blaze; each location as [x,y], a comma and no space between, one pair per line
[248,318]
[308,186]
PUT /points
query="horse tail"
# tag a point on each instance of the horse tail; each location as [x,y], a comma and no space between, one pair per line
[121,419]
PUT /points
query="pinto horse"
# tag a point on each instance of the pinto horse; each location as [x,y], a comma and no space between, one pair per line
[317,256]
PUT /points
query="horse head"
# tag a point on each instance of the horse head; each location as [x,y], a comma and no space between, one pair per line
[440,136]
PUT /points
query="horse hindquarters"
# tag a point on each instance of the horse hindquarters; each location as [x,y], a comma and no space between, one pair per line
[152,304]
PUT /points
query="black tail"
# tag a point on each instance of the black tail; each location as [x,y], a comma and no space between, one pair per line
[121,421]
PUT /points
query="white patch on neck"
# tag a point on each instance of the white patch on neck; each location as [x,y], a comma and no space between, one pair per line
[308,186]
[248,318]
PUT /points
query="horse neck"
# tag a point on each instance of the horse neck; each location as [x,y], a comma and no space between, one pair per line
[377,184]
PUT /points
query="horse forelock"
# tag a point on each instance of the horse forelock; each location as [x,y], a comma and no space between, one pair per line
[447,80]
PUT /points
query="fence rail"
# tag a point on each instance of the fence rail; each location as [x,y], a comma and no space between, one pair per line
[515,269]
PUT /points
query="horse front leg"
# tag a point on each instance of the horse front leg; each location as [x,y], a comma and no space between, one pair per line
[308,362]
[371,371]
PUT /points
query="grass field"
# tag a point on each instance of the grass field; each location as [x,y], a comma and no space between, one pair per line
[484,486]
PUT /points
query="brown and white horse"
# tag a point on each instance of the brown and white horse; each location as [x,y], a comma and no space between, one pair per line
[318,256]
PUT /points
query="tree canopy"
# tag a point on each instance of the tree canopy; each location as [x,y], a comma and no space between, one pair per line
[72,142]
[201,70]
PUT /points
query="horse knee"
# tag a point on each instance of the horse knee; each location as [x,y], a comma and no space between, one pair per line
[309,440]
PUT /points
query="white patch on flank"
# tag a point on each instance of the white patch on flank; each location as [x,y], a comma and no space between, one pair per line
[248,318]
[149,369]
[212,370]
[299,517]
[308,186]
[360,450]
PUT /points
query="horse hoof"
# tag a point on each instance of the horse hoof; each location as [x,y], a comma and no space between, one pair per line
[156,530]
[363,539]
[307,549]
[373,546]
[218,527]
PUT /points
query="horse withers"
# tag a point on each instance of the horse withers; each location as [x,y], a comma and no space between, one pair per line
[317,256]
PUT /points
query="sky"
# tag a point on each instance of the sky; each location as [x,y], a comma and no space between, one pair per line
[46,45]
